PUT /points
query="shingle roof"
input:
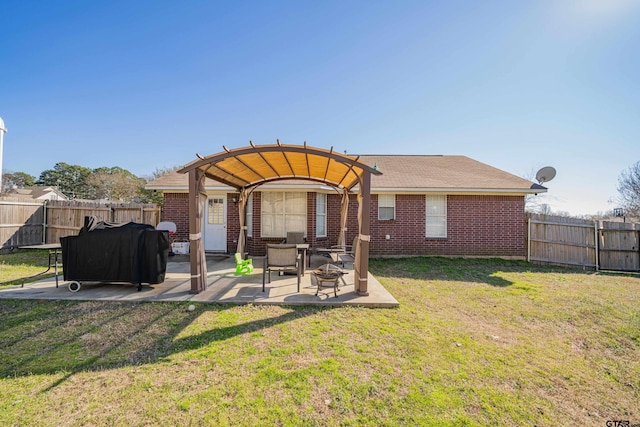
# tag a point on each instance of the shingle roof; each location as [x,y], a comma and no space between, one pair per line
[410,173]
[440,172]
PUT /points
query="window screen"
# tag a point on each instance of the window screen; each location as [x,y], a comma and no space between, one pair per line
[321,215]
[386,206]
[436,221]
[282,212]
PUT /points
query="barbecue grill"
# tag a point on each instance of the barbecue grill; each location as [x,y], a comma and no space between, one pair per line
[115,253]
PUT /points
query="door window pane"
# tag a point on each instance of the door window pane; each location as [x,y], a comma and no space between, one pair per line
[215,213]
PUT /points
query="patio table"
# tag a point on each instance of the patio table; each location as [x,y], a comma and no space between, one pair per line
[325,251]
[55,250]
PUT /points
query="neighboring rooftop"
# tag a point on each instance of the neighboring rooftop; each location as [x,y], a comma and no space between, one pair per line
[39,193]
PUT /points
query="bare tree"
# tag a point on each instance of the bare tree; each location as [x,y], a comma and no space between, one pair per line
[629,189]
[535,203]
[152,196]
[116,184]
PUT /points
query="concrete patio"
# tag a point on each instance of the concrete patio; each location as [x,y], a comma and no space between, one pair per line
[223,286]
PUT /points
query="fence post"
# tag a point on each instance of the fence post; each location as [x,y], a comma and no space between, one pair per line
[529,239]
[44,222]
[597,246]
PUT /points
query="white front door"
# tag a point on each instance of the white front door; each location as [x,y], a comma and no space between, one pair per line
[215,223]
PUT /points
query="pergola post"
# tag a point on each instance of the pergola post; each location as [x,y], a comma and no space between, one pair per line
[242,207]
[344,209]
[361,265]
[197,199]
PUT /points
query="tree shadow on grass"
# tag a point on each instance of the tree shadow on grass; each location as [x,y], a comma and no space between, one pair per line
[50,337]
[68,337]
[631,274]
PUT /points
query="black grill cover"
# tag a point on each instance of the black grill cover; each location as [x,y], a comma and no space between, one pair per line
[106,252]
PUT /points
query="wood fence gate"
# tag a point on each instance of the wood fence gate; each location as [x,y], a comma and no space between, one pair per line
[567,241]
[619,246]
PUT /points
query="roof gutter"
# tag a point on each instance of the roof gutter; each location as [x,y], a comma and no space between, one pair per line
[449,190]
[398,190]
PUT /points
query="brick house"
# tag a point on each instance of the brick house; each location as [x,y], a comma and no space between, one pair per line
[420,205]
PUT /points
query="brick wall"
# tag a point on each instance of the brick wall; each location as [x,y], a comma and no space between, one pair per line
[176,209]
[233,222]
[476,225]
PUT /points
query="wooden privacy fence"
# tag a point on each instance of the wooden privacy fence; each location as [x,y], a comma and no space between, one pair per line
[21,222]
[29,222]
[602,245]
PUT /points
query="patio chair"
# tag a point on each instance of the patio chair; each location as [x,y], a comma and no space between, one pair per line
[243,266]
[349,253]
[281,258]
[294,237]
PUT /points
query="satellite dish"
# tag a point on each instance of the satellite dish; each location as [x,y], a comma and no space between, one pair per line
[545,174]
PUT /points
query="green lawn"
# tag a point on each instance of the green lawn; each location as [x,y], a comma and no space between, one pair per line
[474,342]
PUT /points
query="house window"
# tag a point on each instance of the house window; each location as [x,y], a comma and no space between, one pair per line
[436,222]
[283,212]
[321,215]
[386,207]
[249,215]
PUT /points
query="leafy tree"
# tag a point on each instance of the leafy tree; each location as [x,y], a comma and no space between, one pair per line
[70,179]
[111,183]
[629,189]
[16,179]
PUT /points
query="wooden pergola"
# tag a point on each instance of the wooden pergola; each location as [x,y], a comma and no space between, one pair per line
[248,167]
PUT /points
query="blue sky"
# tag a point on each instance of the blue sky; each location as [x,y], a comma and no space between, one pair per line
[147,84]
